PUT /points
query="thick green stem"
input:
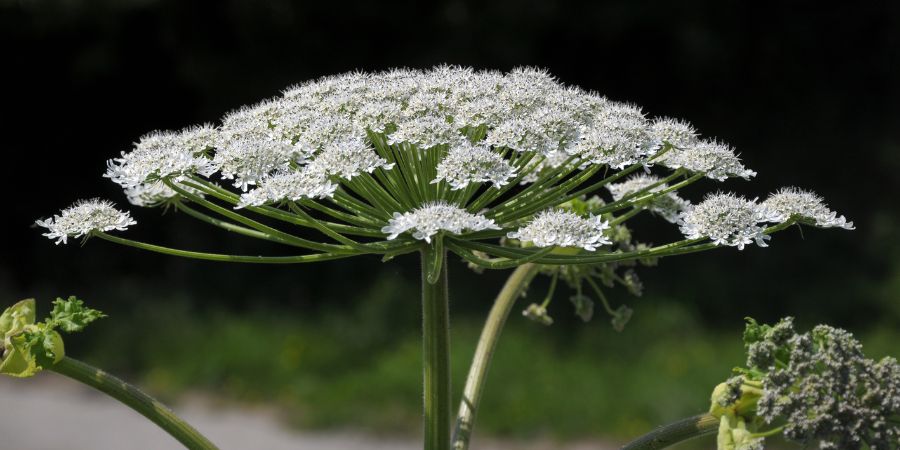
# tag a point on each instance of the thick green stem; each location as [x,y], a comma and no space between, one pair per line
[134,399]
[513,288]
[673,433]
[436,352]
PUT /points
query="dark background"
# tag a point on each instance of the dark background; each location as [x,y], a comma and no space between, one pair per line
[809,95]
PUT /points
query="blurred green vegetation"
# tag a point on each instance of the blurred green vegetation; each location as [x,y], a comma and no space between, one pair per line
[360,367]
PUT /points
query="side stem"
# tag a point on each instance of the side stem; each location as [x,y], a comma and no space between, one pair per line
[436,352]
[673,433]
[484,352]
[135,399]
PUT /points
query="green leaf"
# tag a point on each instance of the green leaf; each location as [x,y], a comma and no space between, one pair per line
[754,332]
[71,315]
[27,346]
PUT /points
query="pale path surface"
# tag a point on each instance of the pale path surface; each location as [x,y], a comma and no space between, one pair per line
[49,412]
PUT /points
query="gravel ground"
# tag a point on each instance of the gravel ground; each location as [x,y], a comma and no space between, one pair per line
[49,412]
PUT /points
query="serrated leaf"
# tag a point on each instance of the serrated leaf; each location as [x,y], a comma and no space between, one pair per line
[71,315]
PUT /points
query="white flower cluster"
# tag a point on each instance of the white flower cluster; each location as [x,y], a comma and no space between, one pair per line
[789,202]
[84,217]
[712,158]
[727,219]
[564,229]
[289,186]
[467,163]
[327,122]
[668,206]
[674,132]
[427,220]
[160,155]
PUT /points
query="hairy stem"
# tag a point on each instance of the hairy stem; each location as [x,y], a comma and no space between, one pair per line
[490,335]
[436,351]
[673,433]
[135,399]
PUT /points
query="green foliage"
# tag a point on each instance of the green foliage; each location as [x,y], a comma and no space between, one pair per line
[71,315]
[29,346]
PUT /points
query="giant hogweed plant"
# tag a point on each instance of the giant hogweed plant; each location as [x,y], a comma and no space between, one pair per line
[506,171]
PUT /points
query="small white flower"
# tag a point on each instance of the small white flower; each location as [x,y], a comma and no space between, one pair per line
[469,163]
[727,219]
[426,131]
[348,159]
[714,159]
[667,206]
[84,217]
[289,185]
[679,134]
[792,201]
[618,137]
[430,218]
[164,154]
[563,229]
[542,130]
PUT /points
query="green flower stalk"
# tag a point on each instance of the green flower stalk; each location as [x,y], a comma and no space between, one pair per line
[30,346]
[499,169]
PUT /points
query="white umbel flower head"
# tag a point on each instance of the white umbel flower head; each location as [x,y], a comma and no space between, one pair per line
[164,154]
[348,159]
[667,206]
[559,228]
[714,159]
[248,161]
[789,202]
[289,185]
[618,137]
[469,163]
[427,220]
[727,219]
[678,133]
[85,217]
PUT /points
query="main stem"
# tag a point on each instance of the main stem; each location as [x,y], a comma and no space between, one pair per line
[436,353]
[513,288]
[673,433]
[135,399]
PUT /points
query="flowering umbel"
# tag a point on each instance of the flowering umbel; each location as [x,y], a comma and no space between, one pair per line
[501,169]
[408,155]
